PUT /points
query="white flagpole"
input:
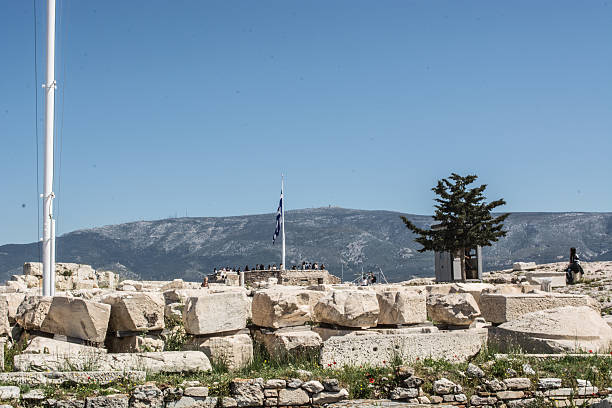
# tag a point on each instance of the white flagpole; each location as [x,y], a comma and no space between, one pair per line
[48,230]
[283,217]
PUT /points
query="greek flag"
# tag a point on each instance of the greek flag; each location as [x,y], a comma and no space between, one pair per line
[279,217]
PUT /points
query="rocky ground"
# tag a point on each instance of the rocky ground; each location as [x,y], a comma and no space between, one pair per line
[596,282]
[133,344]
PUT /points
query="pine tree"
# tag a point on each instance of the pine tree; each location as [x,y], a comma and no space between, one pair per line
[464,219]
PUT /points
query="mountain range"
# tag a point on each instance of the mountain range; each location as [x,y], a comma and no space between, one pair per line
[347,241]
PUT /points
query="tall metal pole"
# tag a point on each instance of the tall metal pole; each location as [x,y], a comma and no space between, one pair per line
[283,217]
[52,262]
[48,233]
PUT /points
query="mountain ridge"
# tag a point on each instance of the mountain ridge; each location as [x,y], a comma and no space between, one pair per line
[343,239]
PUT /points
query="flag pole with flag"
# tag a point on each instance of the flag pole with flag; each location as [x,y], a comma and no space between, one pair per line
[280,222]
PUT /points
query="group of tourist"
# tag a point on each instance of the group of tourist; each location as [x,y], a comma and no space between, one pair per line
[368,279]
[261,267]
[307,266]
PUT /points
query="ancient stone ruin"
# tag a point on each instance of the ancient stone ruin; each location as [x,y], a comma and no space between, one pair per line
[103,328]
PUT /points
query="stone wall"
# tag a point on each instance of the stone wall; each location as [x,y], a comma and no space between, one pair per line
[243,392]
[307,278]
[292,277]
[513,392]
[516,392]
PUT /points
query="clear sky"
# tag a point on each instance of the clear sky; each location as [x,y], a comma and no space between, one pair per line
[196,107]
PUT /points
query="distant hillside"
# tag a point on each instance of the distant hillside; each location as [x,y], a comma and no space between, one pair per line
[190,247]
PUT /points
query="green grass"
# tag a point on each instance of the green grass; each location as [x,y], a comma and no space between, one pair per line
[177,337]
[11,351]
[368,381]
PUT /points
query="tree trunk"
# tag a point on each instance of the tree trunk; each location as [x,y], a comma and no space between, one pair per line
[461,254]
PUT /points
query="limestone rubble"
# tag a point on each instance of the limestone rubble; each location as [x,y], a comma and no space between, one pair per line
[283,307]
[72,317]
[98,323]
[458,309]
[400,306]
[215,313]
[138,311]
[348,308]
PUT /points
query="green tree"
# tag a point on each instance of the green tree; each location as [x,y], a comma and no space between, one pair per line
[464,219]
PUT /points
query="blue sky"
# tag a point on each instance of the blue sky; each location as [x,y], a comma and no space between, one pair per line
[196,107]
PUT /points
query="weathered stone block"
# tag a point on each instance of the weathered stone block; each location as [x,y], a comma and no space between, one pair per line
[349,308]
[154,362]
[401,306]
[521,403]
[106,279]
[501,308]
[138,311]
[247,392]
[78,377]
[445,386]
[461,398]
[193,402]
[519,383]
[73,317]
[196,392]
[524,266]
[28,280]
[288,341]
[549,383]
[404,393]
[45,345]
[33,269]
[215,313]
[284,307]
[235,351]
[13,301]
[147,396]
[313,386]
[228,402]
[295,396]
[474,371]
[108,401]
[478,400]
[134,344]
[275,384]
[9,392]
[507,395]
[413,382]
[553,331]
[68,403]
[5,327]
[327,397]
[270,393]
[557,279]
[378,349]
[331,385]
[458,309]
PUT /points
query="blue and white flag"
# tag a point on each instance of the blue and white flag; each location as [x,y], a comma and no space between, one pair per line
[279,219]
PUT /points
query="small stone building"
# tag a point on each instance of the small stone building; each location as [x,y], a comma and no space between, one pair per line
[448,268]
[289,277]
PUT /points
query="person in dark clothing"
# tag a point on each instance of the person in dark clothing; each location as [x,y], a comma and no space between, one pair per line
[574,271]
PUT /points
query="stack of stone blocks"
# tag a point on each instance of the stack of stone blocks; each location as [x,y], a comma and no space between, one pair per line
[283,393]
[94,324]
